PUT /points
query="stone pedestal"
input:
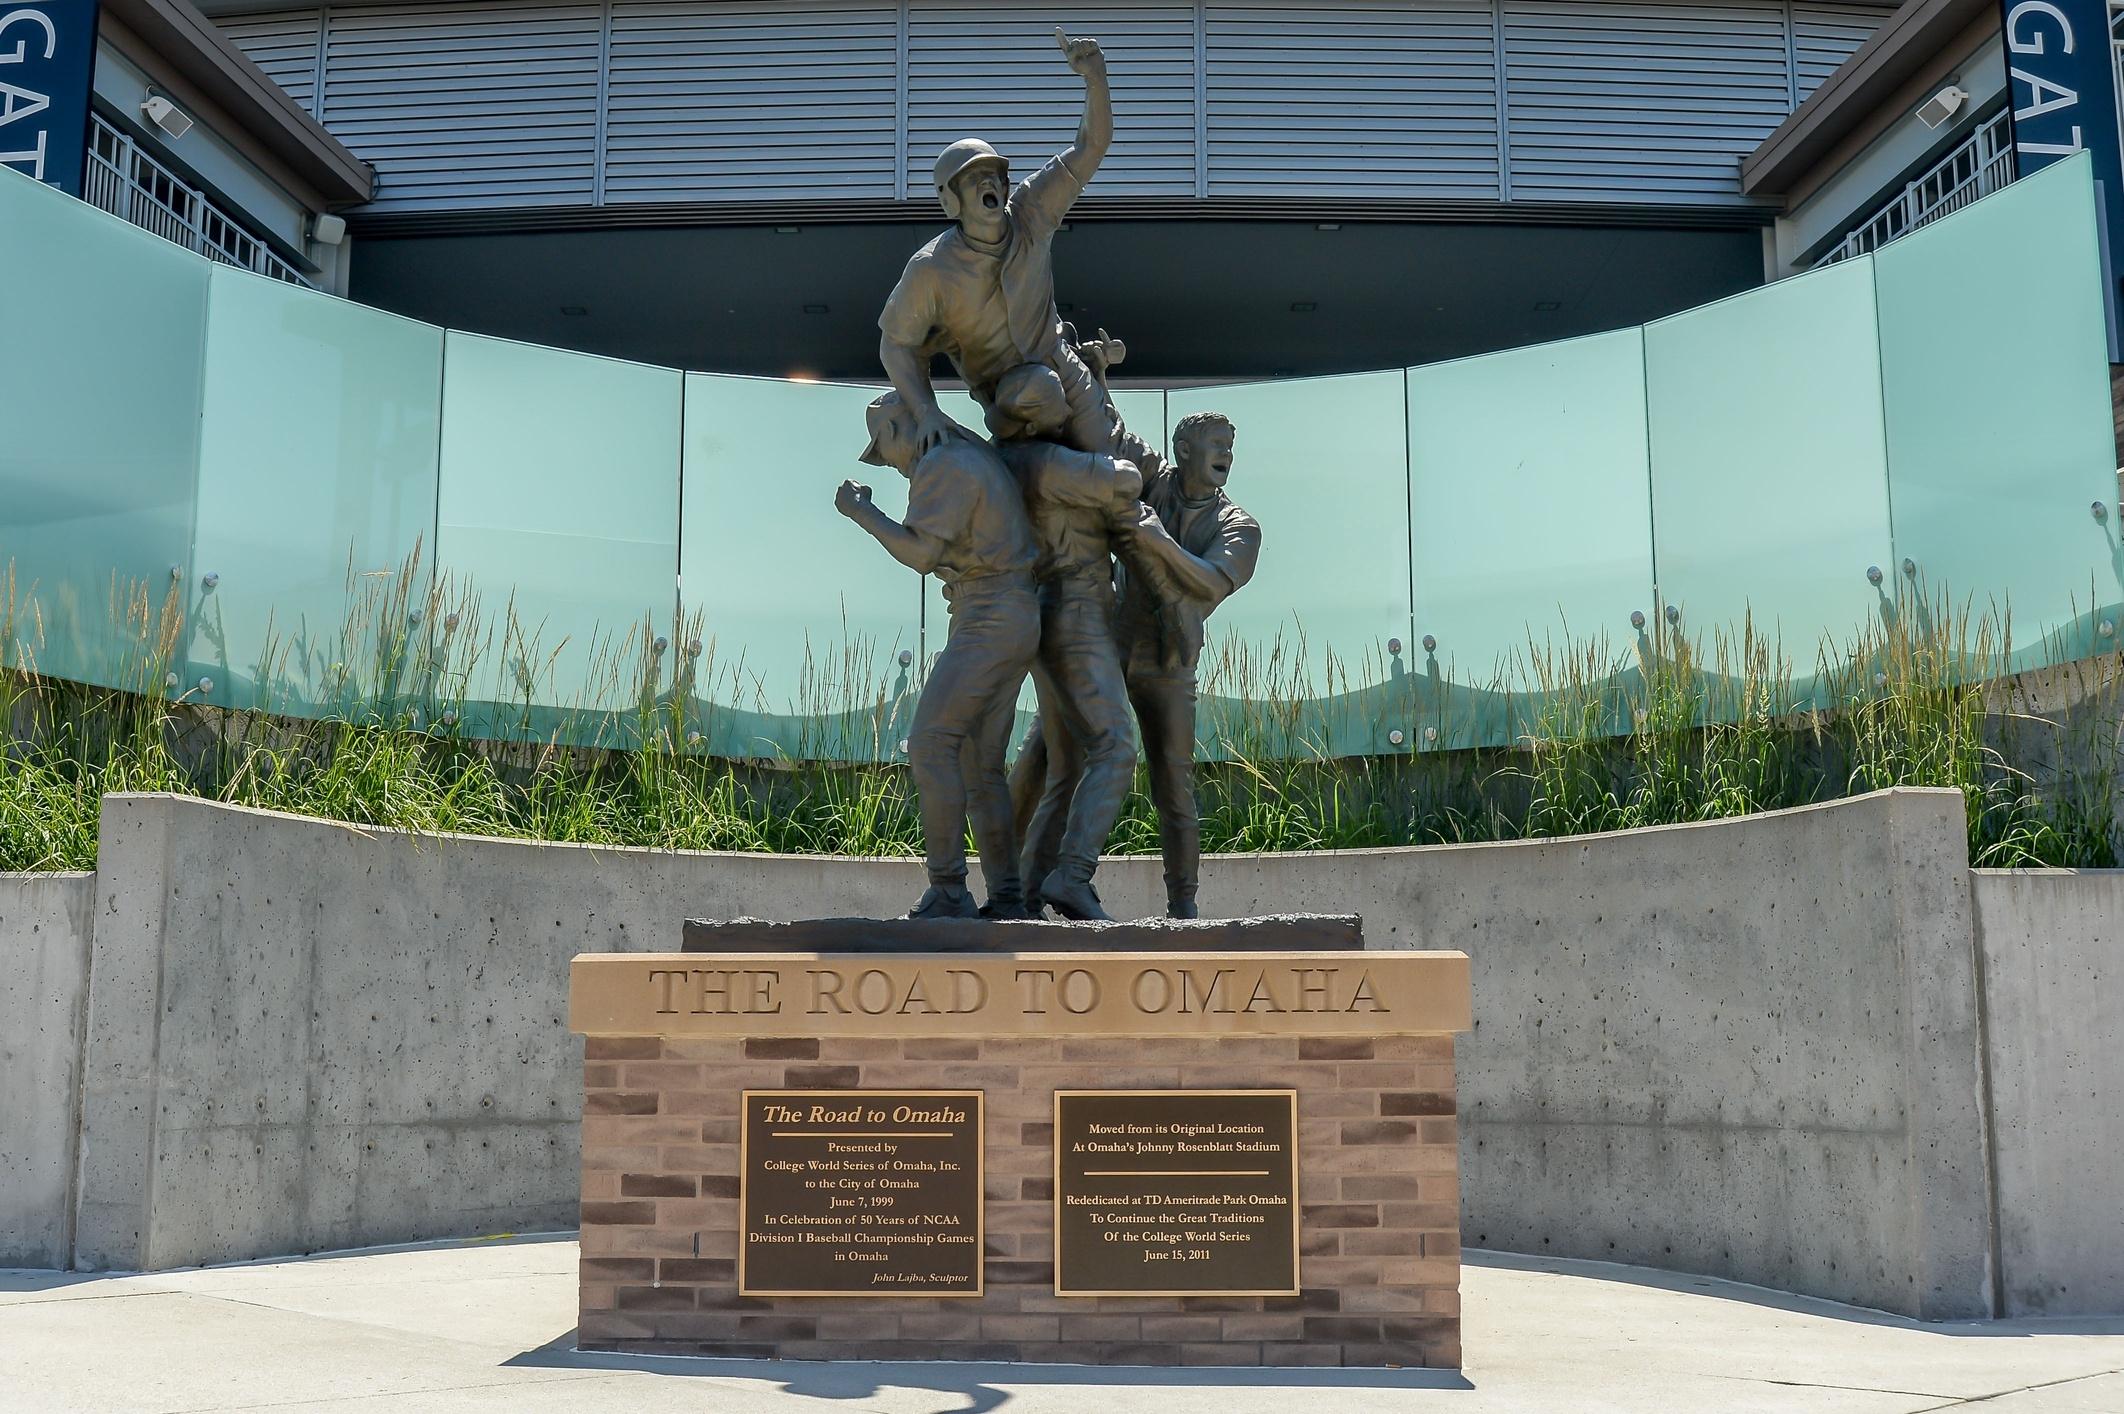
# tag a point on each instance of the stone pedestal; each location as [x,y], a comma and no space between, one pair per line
[699,1070]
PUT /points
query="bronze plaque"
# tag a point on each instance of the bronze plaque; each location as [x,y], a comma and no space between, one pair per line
[860,1193]
[1176,1192]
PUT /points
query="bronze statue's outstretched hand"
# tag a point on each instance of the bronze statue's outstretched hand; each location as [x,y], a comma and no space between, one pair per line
[1101,353]
[852,499]
[1084,55]
[932,429]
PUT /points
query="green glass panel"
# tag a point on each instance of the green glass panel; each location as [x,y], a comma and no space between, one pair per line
[1530,529]
[1322,463]
[1769,470]
[101,334]
[318,447]
[557,535]
[803,617]
[2000,436]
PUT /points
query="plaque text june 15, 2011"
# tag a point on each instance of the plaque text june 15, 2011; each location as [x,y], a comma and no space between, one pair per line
[1176,1192]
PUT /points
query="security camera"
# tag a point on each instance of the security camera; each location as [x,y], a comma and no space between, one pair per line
[328,230]
[1941,106]
[166,115]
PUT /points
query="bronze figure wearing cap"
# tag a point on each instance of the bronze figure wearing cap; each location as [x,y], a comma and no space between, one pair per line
[966,524]
[1078,502]
[983,292]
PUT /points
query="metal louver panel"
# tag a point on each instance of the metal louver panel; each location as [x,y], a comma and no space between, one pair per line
[1824,36]
[979,70]
[764,101]
[1641,102]
[494,104]
[284,44]
[1370,97]
[468,105]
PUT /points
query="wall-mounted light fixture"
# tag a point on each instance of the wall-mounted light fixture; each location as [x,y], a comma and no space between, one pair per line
[159,110]
[1942,106]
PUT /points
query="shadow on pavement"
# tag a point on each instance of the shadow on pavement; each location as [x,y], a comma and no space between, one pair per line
[866,1379]
[1726,1289]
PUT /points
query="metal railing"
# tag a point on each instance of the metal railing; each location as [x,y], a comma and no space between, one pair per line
[1978,166]
[123,180]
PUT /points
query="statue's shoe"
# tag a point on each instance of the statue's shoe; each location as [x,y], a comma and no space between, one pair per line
[942,902]
[1001,909]
[1180,908]
[1078,902]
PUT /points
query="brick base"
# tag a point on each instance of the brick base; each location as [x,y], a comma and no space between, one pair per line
[1379,1203]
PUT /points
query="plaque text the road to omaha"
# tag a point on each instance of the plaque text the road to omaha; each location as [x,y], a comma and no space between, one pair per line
[1176,1192]
[861,1192]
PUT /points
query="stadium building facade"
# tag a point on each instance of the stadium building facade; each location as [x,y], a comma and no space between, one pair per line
[1295,188]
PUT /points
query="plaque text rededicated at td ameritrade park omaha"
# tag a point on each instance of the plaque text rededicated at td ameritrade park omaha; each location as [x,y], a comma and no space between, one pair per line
[1176,1193]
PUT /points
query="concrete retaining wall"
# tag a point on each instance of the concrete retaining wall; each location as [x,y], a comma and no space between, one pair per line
[2051,943]
[1746,1048]
[44,971]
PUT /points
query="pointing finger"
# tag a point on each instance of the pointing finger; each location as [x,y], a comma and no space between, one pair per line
[1061,39]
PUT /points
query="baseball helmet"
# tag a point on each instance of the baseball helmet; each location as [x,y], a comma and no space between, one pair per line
[877,417]
[963,154]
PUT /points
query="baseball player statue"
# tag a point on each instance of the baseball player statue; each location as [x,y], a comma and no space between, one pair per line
[1188,549]
[1191,549]
[966,524]
[983,292]
[1078,502]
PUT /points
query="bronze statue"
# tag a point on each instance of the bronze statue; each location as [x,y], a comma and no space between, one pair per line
[1190,549]
[966,524]
[1078,502]
[983,293]
[1024,532]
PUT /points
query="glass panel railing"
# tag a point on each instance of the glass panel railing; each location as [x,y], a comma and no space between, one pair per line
[165,426]
[318,449]
[1322,464]
[556,538]
[2001,444]
[810,632]
[1769,470]
[1529,525]
[102,327]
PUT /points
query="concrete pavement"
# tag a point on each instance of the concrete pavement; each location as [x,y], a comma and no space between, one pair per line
[488,1326]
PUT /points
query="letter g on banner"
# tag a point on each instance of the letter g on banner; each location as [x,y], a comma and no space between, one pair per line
[47,64]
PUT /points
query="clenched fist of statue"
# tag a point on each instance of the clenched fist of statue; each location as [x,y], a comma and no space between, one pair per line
[1084,55]
[851,499]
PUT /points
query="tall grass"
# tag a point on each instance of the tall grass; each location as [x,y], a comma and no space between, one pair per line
[421,712]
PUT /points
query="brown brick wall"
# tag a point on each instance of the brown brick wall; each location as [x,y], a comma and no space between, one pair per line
[1378,1189]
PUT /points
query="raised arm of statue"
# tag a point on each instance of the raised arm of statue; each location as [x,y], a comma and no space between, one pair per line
[1043,199]
[1095,134]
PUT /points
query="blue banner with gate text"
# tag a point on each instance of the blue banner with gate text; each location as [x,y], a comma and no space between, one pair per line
[2062,82]
[47,63]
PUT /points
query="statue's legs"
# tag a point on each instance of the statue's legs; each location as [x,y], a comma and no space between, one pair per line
[995,631]
[1165,708]
[1028,774]
[1086,703]
[991,808]
[1054,755]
